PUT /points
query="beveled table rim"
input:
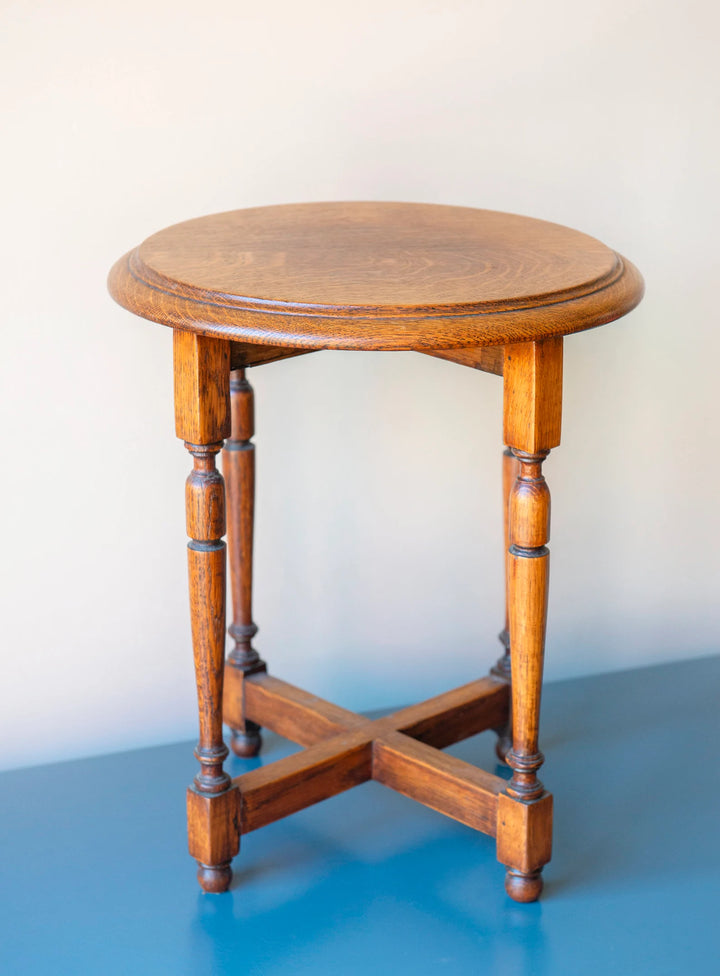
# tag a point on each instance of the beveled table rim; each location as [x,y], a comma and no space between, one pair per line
[153,295]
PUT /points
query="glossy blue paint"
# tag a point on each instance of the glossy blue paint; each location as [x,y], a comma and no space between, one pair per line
[96,879]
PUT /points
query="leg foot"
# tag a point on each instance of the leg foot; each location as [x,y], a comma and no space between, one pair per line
[246,744]
[523,887]
[214,878]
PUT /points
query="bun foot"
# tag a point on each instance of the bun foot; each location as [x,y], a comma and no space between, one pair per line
[523,887]
[246,744]
[214,878]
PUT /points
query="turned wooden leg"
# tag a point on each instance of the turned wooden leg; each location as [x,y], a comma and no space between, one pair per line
[239,469]
[532,414]
[502,666]
[201,412]
[528,589]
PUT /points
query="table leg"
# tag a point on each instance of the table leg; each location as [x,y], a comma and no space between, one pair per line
[532,415]
[528,590]
[202,420]
[238,462]
[502,666]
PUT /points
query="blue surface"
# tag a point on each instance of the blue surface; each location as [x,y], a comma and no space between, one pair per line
[96,878]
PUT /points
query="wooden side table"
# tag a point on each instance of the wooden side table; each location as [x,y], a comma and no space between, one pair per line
[489,290]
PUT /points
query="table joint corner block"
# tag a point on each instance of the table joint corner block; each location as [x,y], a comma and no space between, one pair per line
[213,825]
[524,832]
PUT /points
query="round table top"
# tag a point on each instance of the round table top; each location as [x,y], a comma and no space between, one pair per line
[375,276]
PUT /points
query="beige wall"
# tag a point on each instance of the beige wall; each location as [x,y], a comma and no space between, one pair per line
[378,543]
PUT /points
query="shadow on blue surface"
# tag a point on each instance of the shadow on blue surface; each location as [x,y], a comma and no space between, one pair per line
[96,878]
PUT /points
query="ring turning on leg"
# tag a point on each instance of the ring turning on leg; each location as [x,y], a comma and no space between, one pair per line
[239,470]
[532,378]
[501,669]
[201,420]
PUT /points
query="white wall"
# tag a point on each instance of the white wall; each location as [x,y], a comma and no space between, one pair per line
[378,542]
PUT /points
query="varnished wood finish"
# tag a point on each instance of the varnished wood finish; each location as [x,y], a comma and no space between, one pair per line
[502,666]
[375,276]
[202,420]
[444,783]
[496,292]
[246,354]
[206,570]
[291,784]
[401,751]
[239,470]
[532,413]
[509,474]
[532,395]
[455,715]
[524,840]
[306,719]
[202,388]
[343,749]
[528,587]
[213,836]
[487,358]
[286,710]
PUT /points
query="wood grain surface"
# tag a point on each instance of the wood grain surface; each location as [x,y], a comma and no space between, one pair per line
[493,291]
[375,276]
[343,749]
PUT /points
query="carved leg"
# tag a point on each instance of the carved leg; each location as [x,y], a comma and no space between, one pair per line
[239,470]
[533,394]
[201,394]
[502,666]
[528,586]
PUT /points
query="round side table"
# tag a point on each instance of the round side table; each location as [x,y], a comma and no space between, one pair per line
[489,290]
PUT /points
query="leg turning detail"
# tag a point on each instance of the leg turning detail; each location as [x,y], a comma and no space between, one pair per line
[239,470]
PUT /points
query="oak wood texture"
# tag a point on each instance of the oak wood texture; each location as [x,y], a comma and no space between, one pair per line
[532,395]
[401,751]
[202,388]
[509,474]
[487,358]
[288,785]
[238,459]
[343,749]
[286,710]
[496,292]
[524,841]
[306,719]
[502,667]
[443,783]
[213,836]
[202,416]
[528,569]
[364,275]
[532,417]
[454,715]
[246,354]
